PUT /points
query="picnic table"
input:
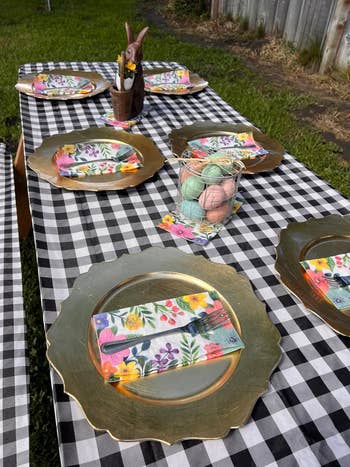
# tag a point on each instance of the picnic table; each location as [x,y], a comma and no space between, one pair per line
[303,418]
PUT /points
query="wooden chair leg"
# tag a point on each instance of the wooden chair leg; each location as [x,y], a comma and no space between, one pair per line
[22,202]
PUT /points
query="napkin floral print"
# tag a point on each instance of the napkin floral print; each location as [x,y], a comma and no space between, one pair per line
[242,145]
[331,276]
[176,80]
[195,231]
[83,159]
[162,353]
[59,85]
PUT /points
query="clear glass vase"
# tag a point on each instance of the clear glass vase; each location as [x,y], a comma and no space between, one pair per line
[207,189]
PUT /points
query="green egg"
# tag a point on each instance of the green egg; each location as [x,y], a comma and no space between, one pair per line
[211,173]
[192,210]
[192,187]
[226,167]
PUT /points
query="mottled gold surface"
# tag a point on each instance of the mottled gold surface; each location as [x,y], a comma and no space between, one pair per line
[201,401]
[25,84]
[315,238]
[42,163]
[198,83]
[180,137]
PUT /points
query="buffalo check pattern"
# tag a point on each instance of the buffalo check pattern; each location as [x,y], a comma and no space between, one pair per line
[14,377]
[303,418]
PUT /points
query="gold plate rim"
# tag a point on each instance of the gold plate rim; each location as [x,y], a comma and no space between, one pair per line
[238,395]
[41,160]
[180,136]
[24,84]
[294,242]
[199,83]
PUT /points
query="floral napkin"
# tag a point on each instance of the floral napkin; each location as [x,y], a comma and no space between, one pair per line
[167,352]
[61,85]
[83,159]
[331,276]
[109,119]
[176,80]
[241,145]
[195,231]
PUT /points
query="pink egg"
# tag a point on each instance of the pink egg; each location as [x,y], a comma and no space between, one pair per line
[193,166]
[229,187]
[212,197]
[219,214]
[184,175]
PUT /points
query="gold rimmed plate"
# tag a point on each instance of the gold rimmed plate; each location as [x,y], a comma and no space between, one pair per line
[179,143]
[41,161]
[315,238]
[25,84]
[198,83]
[202,401]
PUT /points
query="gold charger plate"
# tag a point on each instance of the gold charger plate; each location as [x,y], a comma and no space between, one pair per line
[100,84]
[180,137]
[202,401]
[198,83]
[42,163]
[315,238]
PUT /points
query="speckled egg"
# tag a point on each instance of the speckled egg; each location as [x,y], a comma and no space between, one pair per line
[212,197]
[226,167]
[219,214]
[184,175]
[229,186]
[192,187]
[210,173]
[196,166]
[191,209]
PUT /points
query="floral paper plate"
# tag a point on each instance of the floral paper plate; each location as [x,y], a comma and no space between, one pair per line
[200,401]
[302,241]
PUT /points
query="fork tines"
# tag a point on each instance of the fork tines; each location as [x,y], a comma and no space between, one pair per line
[214,319]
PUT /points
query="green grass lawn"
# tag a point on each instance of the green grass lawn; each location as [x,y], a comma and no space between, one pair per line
[94,31]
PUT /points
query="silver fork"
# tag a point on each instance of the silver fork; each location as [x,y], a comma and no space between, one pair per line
[336,280]
[203,325]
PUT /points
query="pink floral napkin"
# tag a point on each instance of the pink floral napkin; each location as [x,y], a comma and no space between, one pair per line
[331,276]
[163,353]
[240,145]
[175,80]
[86,159]
[60,85]
[195,231]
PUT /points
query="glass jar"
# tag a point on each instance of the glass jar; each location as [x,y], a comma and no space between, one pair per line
[207,188]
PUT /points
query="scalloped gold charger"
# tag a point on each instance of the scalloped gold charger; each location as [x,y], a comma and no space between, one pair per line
[100,84]
[202,401]
[315,238]
[198,83]
[41,161]
[179,138]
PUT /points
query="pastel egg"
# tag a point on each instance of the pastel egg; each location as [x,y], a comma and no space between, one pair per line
[195,166]
[226,167]
[212,197]
[229,186]
[184,175]
[191,209]
[192,187]
[219,214]
[210,173]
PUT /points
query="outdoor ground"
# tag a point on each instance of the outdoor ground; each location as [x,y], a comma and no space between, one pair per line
[275,61]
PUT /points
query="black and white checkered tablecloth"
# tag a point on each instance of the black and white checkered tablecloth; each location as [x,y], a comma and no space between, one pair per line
[303,419]
[14,377]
